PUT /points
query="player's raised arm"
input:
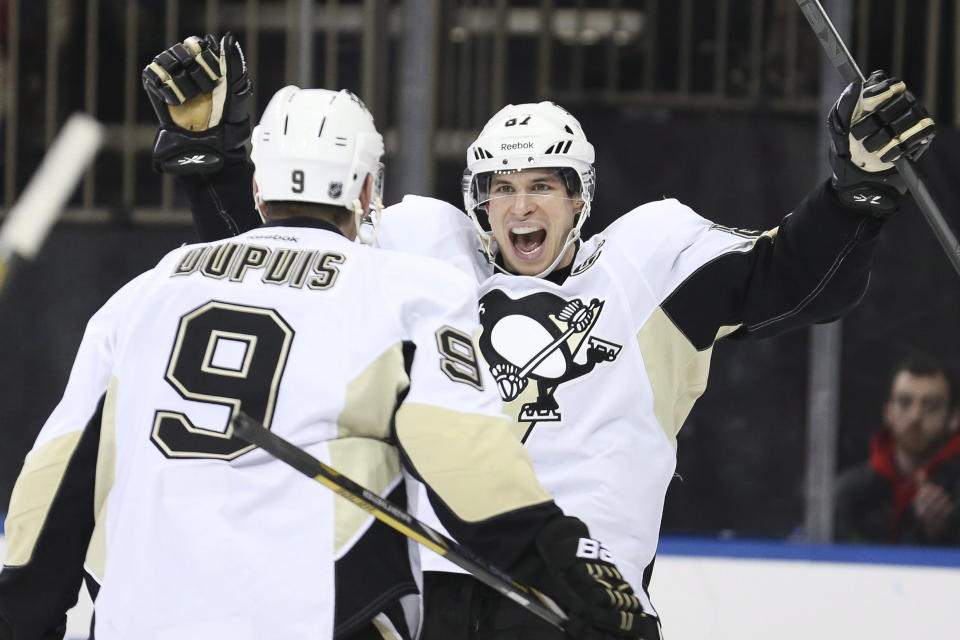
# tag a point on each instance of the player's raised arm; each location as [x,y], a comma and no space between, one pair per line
[200,91]
[815,266]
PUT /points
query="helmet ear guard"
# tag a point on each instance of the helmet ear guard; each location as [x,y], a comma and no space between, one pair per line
[529,136]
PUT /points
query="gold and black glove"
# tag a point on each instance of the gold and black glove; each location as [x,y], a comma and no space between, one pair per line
[579,574]
[871,125]
[200,91]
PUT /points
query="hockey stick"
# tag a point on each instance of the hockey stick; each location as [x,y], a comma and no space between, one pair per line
[840,56]
[248,429]
[29,220]
[550,348]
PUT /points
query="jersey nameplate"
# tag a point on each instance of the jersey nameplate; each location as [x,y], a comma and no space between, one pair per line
[234,261]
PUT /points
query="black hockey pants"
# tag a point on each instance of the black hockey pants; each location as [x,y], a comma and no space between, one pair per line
[460,607]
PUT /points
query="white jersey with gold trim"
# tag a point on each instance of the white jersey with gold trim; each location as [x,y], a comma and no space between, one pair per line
[599,364]
[340,349]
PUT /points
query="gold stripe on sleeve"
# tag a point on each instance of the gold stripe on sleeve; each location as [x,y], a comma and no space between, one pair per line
[371,397]
[473,462]
[677,371]
[361,451]
[374,464]
[33,495]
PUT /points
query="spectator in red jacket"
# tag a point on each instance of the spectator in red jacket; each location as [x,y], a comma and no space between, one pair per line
[908,492]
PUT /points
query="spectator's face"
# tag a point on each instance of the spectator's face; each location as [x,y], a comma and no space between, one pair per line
[918,412]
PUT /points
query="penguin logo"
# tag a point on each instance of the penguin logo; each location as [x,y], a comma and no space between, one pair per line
[538,338]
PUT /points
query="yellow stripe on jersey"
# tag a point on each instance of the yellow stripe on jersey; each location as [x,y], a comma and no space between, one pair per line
[677,371]
[370,399]
[473,462]
[361,451]
[33,495]
[371,463]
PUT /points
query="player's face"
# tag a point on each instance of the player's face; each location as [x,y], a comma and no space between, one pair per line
[918,412]
[530,214]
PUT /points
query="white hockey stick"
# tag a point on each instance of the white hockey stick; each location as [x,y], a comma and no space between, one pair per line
[29,220]
[248,429]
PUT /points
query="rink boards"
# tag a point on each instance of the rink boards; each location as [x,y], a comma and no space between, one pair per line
[727,590]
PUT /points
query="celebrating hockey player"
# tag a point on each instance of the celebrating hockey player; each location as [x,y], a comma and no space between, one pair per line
[599,348]
[362,357]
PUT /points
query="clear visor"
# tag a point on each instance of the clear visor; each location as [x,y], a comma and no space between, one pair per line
[512,187]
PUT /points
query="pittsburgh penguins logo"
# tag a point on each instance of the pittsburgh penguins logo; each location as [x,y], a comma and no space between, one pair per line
[538,339]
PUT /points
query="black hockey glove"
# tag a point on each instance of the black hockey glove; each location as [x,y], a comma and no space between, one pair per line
[579,574]
[201,91]
[872,125]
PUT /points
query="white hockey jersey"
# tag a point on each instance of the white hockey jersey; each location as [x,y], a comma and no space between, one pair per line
[189,533]
[607,357]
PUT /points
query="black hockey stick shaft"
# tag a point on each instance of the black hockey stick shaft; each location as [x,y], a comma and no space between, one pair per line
[248,429]
[840,56]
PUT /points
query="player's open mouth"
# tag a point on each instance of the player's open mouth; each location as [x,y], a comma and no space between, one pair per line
[527,240]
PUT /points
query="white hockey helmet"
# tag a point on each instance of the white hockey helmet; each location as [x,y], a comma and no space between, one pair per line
[317,145]
[527,136]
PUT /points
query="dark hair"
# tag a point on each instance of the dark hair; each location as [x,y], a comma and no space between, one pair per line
[279,209]
[571,180]
[923,366]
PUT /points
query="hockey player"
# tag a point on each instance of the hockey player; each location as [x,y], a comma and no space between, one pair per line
[362,357]
[599,348]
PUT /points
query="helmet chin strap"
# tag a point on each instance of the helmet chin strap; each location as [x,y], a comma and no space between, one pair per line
[374,219]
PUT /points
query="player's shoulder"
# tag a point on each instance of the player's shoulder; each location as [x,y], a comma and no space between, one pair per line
[418,287]
[432,227]
[186,255]
[422,216]
[118,307]
[651,220]
[656,227]
[423,207]
[174,255]
[422,272]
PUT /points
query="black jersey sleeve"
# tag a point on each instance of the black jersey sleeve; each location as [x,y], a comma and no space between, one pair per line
[813,268]
[60,491]
[221,203]
[36,594]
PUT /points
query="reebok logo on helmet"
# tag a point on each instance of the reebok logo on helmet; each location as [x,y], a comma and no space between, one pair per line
[515,146]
